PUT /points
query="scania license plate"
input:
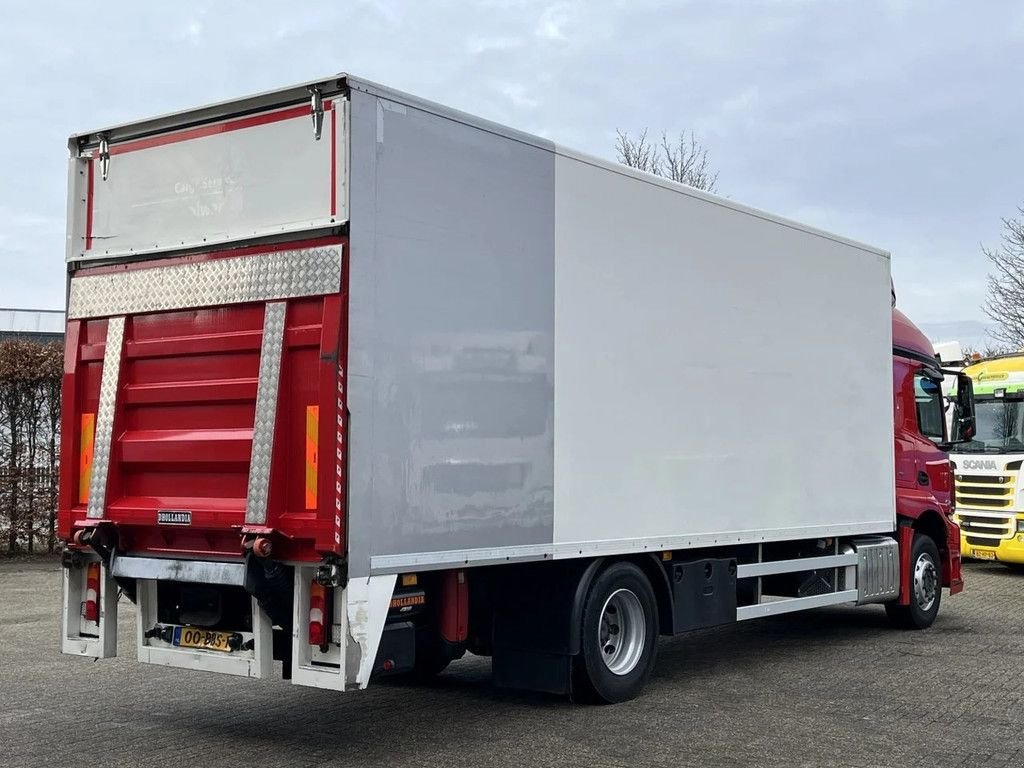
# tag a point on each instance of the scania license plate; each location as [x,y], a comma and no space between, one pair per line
[208,640]
[983,554]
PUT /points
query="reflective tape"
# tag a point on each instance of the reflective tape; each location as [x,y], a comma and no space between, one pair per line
[312,458]
[86,436]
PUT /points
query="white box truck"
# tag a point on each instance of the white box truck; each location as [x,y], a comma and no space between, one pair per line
[358,382]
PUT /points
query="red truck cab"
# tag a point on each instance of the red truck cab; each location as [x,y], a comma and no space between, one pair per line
[924,481]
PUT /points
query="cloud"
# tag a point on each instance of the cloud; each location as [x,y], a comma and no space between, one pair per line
[478,45]
[552,22]
[890,122]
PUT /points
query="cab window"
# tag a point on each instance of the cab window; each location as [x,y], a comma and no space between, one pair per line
[930,413]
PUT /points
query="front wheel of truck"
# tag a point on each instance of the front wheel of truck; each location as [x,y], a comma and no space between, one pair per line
[925,587]
[619,636]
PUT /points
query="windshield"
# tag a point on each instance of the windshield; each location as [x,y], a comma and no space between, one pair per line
[1000,427]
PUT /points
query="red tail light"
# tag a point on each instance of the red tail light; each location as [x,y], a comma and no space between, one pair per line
[91,605]
[317,614]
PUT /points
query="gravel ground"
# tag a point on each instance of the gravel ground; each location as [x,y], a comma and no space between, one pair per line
[828,688]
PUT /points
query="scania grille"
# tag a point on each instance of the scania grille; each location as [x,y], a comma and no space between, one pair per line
[985,529]
[984,491]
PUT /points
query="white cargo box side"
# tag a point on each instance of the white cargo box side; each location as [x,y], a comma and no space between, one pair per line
[721,376]
[554,356]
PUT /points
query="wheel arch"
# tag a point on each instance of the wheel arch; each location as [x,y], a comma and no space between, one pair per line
[932,524]
[656,576]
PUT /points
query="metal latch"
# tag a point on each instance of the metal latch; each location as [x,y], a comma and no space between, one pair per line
[316,106]
[104,156]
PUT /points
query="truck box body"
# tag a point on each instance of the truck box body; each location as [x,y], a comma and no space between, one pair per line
[541,354]
[357,382]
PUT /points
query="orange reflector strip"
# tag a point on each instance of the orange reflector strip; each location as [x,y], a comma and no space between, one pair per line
[312,432]
[409,579]
[85,444]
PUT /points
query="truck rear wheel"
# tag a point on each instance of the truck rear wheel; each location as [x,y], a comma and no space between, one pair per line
[619,636]
[925,587]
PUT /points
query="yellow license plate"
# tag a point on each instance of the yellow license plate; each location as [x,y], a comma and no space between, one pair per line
[208,640]
[983,554]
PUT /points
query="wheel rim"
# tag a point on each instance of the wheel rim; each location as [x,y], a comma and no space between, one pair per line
[926,582]
[621,632]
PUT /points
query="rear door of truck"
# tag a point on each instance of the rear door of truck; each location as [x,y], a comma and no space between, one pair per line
[204,367]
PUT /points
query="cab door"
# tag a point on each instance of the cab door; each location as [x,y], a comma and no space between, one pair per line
[904,424]
[931,461]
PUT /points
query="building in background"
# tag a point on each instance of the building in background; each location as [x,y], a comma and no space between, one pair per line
[41,325]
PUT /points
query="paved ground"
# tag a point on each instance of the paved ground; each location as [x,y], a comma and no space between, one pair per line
[835,687]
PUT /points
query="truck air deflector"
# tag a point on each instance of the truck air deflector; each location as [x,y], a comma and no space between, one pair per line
[266,414]
[270,276]
[104,429]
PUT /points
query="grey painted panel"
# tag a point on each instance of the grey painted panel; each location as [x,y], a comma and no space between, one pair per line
[451,321]
[359,388]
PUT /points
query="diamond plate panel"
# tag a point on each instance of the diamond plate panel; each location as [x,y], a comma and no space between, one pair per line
[266,414]
[103,435]
[234,280]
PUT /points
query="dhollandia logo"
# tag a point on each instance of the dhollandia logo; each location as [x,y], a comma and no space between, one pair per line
[980,464]
[173,517]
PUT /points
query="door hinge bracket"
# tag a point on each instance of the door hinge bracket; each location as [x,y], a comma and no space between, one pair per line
[104,155]
[316,107]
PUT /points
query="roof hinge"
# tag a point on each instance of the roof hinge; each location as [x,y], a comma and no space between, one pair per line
[104,156]
[316,106]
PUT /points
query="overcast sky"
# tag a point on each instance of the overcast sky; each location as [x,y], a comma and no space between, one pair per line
[897,123]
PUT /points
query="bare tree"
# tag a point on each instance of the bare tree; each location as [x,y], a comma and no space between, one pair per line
[986,351]
[684,160]
[1005,303]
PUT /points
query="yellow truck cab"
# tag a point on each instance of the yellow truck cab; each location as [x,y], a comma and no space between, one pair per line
[987,469]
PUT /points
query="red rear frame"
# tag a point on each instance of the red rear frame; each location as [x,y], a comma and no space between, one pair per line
[183,424]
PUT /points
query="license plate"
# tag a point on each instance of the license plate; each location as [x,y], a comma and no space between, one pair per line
[208,640]
[983,554]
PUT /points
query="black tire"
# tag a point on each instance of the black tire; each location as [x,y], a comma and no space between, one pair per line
[594,680]
[925,587]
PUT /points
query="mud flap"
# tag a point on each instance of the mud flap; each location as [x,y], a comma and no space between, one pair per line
[357,616]
[89,619]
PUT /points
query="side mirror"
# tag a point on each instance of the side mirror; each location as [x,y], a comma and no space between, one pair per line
[964,425]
